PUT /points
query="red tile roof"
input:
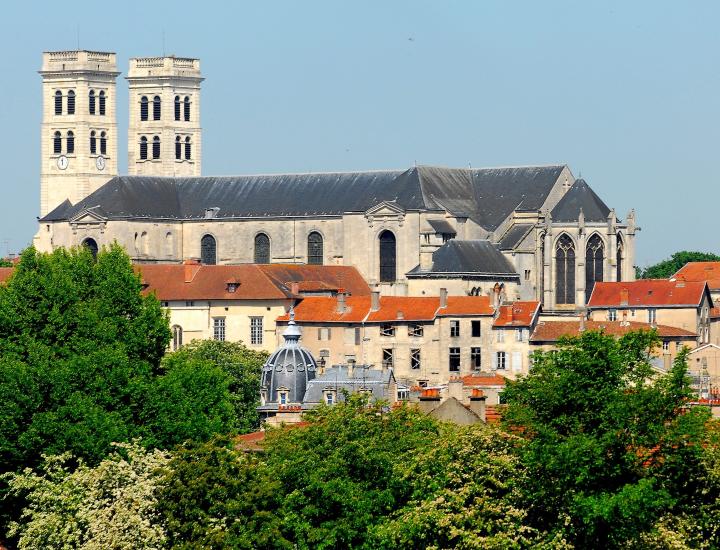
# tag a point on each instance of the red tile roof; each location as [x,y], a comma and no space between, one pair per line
[708,272]
[317,277]
[5,273]
[321,309]
[647,293]
[714,312]
[483,380]
[253,441]
[551,331]
[518,314]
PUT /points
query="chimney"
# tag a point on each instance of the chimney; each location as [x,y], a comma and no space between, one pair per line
[429,400]
[624,296]
[624,321]
[426,257]
[455,388]
[341,307]
[400,315]
[375,300]
[510,313]
[497,290]
[582,321]
[295,288]
[443,297]
[191,267]
[477,403]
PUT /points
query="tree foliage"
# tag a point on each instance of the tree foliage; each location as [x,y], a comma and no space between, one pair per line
[666,268]
[609,448]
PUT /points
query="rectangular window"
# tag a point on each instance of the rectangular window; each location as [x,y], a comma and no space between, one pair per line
[476,358]
[454,328]
[500,360]
[189,304]
[282,397]
[256,330]
[387,329]
[475,329]
[388,357]
[415,329]
[666,345]
[612,315]
[329,398]
[527,274]
[219,328]
[518,334]
[500,336]
[324,333]
[652,314]
[414,358]
[454,359]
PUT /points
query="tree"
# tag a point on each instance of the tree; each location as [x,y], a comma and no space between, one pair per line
[112,506]
[609,447]
[666,268]
[243,367]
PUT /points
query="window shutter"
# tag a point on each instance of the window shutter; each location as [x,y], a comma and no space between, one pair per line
[516,361]
[495,361]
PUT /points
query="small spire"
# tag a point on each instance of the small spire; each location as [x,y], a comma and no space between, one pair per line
[292,332]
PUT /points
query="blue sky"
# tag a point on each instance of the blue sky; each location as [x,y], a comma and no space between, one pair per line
[626,93]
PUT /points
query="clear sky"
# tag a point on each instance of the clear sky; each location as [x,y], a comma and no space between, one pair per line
[626,93]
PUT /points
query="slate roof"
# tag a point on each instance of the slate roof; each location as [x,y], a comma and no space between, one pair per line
[487,195]
[552,331]
[475,258]
[514,236]
[647,293]
[340,377]
[442,226]
[580,195]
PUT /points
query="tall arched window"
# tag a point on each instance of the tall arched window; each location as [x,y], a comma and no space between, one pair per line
[594,255]
[156,147]
[262,249]
[91,102]
[58,102]
[178,148]
[187,108]
[143,148]
[143,108]
[101,98]
[156,107]
[92,246]
[208,250]
[619,258]
[57,143]
[315,249]
[564,271]
[93,143]
[188,148]
[177,336]
[388,257]
[70,145]
[103,143]
[71,102]
[177,107]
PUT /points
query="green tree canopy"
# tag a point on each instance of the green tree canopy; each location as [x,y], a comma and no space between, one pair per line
[666,268]
[610,448]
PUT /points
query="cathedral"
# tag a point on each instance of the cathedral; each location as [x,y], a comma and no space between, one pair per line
[526,232]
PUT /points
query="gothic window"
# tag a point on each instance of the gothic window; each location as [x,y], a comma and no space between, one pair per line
[178,148]
[93,143]
[92,246]
[387,257]
[208,250]
[177,107]
[188,148]
[177,335]
[143,148]
[71,102]
[70,145]
[58,102]
[156,147]
[593,264]
[187,108]
[91,102]
[619,258]
[103,143]
[565,271]
[143,108]
[57,143]
[262,249]
[156,107]
[101,99]
[315,249]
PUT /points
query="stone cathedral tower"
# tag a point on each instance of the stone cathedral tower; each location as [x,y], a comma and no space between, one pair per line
[164,137]
[79,125]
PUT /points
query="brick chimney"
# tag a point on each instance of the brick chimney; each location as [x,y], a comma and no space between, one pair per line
[429,399]
[455,388]
[375,300]
[191,268]
[477,403]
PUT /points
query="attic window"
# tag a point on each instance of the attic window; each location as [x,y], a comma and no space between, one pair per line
[232,287]
[211,213]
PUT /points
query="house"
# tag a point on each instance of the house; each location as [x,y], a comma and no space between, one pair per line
[511,330]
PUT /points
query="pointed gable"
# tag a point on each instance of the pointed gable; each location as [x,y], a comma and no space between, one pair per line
[580,196]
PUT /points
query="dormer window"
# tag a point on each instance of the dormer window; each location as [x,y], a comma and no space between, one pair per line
[232,286]
[283,397]
[330,397]
[211,213]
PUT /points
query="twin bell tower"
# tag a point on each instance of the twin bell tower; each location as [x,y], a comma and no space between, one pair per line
[79,124]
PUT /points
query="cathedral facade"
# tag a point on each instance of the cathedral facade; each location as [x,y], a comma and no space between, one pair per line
[529,232]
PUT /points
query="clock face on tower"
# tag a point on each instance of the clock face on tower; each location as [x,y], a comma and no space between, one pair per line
[100,163]
[62,162]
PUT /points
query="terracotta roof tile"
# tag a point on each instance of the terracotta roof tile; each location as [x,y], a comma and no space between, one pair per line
[647,293]
[5,273]
[483,380]
[317,277]
[551,331]
[518,314]
[324,309]
[467,305]
[708,272]
[409,308]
